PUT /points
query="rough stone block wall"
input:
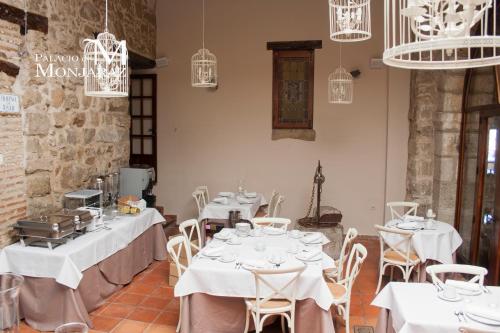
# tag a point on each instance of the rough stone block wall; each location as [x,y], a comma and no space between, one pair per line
[62,138]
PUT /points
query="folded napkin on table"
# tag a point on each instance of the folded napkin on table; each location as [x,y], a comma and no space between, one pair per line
[464,285]
[312,238]
[312,254]
[223,201]
[483,311]
[410,218]
[250,194]
[213,251]
[254,263]
[243,200]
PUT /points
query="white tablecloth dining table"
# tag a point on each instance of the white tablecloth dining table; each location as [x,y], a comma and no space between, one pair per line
[415,308]
[66,262]
[215,278]
[438,243]
[216,211]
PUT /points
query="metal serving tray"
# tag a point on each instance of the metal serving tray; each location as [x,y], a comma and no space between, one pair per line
[81,218]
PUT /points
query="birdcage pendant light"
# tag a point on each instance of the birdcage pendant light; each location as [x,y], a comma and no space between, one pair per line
[441,34]
[350,20]
[203,64]
[340,86]
[105,62]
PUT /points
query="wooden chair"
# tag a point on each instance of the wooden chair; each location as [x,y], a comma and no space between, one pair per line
[204,190]
[274,208]
[336,273]
[398,254]
[189,229]
[408,209]
[175,247]
[271,206]
[275,222]
[280,302]
[199,198]
[341,289]
[478,273]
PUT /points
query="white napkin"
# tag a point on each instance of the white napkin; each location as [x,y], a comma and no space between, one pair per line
[243,200]
[312,238]
[313,254]
[251,194]
[464,285]
[253,263]
[410,218]
[223,201]
[213,251]
[483,311]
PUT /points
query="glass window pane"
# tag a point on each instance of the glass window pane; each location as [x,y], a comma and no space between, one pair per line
[148,146]
[136,87]
[136,146]
[136,107]
[147,107]
[147,87]
[147,126]
[136,127]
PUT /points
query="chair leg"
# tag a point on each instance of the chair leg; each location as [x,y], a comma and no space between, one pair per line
[283,324]
[256,320]
[347,313]
[380,275]
[247,321]
[178,329]
[291,324]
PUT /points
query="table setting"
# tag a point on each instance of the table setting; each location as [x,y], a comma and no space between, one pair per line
[425,307]
[432,239]
[247,203]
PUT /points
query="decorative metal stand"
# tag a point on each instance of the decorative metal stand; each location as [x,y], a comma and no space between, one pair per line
[323,216]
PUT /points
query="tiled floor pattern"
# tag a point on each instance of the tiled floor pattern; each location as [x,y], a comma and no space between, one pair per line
[147,305]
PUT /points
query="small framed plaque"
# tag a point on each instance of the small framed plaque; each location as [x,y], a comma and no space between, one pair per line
[9,103]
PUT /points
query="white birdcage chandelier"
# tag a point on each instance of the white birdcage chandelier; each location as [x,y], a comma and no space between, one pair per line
[340,85]
[105,62]
[350,20]
[203,64]
[441,34]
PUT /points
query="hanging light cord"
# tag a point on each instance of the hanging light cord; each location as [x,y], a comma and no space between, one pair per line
[106,19]
[25,18]
[203,29]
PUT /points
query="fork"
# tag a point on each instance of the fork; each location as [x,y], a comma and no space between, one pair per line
[463,315]
[457,313]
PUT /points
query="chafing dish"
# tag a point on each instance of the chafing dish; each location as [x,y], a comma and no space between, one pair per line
[83,198]
[46,231]
[81,218]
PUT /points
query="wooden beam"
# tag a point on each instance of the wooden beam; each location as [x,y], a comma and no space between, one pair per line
[15,15]
[137,61]
[296,45]
[9,68]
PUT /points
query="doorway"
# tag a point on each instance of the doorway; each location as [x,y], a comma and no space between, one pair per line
[478,195]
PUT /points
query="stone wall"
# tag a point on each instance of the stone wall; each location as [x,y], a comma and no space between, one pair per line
[62,138]
[435,120]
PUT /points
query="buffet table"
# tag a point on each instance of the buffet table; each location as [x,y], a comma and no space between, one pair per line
[64,284]
[214,291]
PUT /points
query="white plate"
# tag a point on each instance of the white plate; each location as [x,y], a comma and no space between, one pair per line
[274,231]
[226,194]
[300,235]
[223,237]
[483,320]
[215,255]
[230,242]
[410,225]
[276,260]
[301,258]
[231,258]
[250,195]
[319,241]
[466,292]
[456,299]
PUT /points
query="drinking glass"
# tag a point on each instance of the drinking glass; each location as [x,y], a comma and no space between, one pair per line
[10,286]
[72,328]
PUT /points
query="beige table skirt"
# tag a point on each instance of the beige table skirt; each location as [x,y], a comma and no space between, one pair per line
[46,304]
[202,313]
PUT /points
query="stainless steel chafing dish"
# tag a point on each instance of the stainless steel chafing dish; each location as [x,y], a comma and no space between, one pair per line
[46,231]
[81,218]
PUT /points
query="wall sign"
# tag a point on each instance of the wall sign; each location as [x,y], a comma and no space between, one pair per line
[9,103]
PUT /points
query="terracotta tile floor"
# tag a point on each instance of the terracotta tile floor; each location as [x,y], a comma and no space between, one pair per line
[147,305]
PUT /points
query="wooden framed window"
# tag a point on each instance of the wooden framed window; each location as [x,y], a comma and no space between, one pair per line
[293,84]
[143,120]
